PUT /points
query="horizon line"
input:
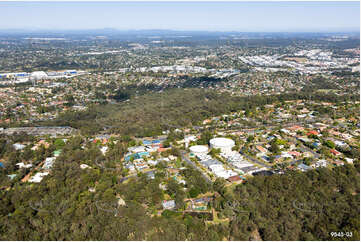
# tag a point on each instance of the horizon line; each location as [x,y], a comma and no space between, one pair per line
[187,30]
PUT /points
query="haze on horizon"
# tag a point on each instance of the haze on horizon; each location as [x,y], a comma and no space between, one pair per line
[208,16]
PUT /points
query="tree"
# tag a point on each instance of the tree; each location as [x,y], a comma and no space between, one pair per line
[205,137]
[173,187]
[236,147]
[274,148]
[250,138]
[218,185]
[194,192]
[179,199]
[166,144]
[69,99]
[59,143]
[325,151]
[307,161]
[108,195]
[330,144]
[214,152]
[121,95]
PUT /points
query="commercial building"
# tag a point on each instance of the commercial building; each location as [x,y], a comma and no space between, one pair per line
[219,171]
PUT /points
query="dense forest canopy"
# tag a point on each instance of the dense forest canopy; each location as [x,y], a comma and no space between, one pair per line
[149,114]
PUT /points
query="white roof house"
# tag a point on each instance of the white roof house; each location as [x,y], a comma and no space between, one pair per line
[49,162]
[182,182]
[162,186]
[285,154]
[168,204]
[349,160]
[38,177]
[285,131]
[104,149]
[151,149]
[190,138]
[319,163]
[152,162]
[84,166]
[131,167]
[22,165]
[340,143]
[18,146]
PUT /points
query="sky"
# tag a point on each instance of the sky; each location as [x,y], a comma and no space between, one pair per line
[210,16]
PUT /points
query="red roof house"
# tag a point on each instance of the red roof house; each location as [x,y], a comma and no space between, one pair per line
[314,132]
[335,152]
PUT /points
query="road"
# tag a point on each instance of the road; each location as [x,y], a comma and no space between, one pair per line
[195,166]
[296,162]
[255,160]
[304,148]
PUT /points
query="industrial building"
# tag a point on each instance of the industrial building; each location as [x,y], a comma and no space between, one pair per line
[219,171]
[38,75]
[12,75]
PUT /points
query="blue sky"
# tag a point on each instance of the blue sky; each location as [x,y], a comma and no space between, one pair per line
[219,16]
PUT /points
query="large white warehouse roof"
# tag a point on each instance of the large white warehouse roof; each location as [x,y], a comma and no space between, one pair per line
[199,149]
[38,75]
[222,142]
